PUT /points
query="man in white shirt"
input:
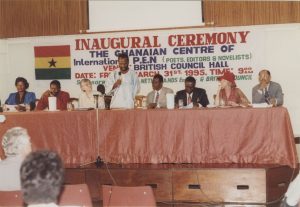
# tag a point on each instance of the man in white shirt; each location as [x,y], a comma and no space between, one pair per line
[122,84]
[157,98]
[16,145]
[267,91]
[42,177]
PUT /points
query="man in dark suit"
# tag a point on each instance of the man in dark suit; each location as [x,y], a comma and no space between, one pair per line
[191,94]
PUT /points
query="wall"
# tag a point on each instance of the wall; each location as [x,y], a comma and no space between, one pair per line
[281,52]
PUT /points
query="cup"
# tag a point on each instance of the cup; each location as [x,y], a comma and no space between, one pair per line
[170,100]
[52,103]
[69,106]
[180,103]
[27,107]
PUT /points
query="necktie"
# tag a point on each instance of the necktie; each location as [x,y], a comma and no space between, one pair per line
[156,98]
[189,100]
[267,96]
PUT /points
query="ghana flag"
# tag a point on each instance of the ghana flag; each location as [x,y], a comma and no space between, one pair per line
[52,62]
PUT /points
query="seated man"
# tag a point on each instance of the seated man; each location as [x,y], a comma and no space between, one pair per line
[16,145]
[191,94]
[62,97]
[157,98]
[42,176]
[267,91]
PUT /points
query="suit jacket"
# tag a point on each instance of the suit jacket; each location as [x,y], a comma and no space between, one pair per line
[162,100]
[274,90]
[199,96]
[28,99]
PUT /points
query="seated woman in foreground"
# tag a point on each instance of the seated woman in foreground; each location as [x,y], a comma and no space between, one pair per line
[228,94]
[89,98]
[21,96]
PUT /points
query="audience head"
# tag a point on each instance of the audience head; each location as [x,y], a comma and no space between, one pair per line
[101,88]
[86,85]
[264,77]
[157,82]
[189,83]
[21,84]
[227,80]
[16,142]
[55,87]
[42,176]
[123,60]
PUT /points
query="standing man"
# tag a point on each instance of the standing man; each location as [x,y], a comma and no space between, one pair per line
[267,91]
[192,95]
[122,84]
[157,98]
[62,97]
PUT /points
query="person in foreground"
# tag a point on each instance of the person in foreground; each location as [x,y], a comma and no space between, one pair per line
[228,94]
[122,84]
[191,95]
[89,98]
[21,96]
[267,91]
[62,97]
[42,177]
[157,98]
[292,196]
[16,145]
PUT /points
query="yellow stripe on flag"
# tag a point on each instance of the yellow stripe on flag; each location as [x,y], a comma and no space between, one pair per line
[59,62]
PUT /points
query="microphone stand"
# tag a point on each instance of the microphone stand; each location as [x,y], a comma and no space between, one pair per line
[96,97]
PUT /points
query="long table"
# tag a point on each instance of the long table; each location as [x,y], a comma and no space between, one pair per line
[231,135]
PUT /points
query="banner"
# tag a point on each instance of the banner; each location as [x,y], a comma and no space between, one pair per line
[204,53]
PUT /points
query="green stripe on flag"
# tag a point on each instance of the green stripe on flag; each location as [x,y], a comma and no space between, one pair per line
[50,74]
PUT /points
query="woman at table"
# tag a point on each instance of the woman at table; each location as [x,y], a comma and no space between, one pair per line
[88,98]
[228,94]
[21,97]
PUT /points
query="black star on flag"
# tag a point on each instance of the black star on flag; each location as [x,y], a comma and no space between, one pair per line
[52,63]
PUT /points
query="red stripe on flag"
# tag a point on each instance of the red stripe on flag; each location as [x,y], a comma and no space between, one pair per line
[52,51]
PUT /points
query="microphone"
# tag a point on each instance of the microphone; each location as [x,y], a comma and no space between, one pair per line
[112,91]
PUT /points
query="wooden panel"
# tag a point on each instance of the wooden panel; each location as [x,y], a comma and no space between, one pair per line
[278,180]
[74,176]
[239,13]
[159,179]
[20,18]
[220,185]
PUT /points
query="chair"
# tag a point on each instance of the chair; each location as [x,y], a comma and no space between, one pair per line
[75,195]
[128,196]
[11,198]
[72,195]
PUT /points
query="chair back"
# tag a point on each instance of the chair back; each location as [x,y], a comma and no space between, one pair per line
[11,198]
[72,195]
[128,196]
[75,195]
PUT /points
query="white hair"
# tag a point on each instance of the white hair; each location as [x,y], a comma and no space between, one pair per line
[15,140]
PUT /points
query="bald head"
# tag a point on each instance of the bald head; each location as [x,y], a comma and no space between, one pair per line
[264,77]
